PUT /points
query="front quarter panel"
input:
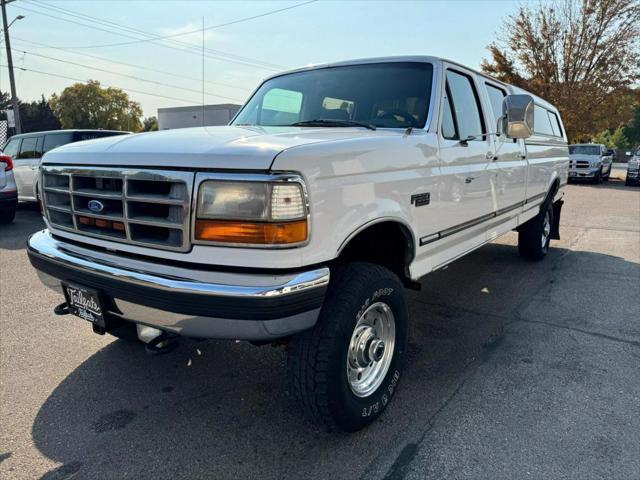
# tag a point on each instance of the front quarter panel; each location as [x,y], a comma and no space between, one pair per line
[357,182]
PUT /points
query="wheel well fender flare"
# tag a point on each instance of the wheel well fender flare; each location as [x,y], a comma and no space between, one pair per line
[404,228]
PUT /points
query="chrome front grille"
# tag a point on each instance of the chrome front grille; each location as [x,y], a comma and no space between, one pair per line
[140,207]
[582,164]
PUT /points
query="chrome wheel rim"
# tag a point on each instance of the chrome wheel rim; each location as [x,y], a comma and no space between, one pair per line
[371,349]
[546,229]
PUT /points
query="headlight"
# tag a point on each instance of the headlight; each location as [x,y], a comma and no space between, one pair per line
[252,213]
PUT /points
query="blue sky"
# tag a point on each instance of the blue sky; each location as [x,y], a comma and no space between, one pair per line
[321,31]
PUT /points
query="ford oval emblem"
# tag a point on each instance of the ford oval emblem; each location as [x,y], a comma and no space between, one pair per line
[95,206]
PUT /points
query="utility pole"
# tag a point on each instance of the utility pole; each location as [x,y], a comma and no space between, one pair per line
[12,80]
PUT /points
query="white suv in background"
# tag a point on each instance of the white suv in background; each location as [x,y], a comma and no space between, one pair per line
[26,150]
[8,190]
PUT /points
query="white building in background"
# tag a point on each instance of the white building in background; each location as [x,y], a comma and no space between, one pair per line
[183,117]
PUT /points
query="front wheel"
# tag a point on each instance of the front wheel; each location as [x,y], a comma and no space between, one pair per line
[535,235]
[345,370]
[597,178]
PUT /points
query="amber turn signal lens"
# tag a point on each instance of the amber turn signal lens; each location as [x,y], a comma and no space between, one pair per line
[225,231]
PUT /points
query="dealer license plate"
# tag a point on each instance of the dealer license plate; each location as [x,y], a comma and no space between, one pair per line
[84,302]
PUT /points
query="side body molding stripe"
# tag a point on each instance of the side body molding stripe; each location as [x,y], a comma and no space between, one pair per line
[472,223]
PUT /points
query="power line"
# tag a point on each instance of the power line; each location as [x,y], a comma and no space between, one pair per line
[212,27]
[150,36]
[155,82]
[132,65]
[190,49]
[26,69]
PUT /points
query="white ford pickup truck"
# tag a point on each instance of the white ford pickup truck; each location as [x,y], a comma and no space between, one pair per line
[333,189]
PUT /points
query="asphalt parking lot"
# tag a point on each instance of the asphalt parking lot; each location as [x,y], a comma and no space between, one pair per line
[515,370]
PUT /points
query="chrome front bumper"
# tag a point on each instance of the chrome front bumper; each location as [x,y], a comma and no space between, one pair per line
[183,298]
[583,172]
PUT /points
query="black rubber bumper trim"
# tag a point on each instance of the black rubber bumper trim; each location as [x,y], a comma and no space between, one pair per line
[268,308]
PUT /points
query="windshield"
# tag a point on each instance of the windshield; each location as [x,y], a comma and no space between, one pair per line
[584,150]
[392,95]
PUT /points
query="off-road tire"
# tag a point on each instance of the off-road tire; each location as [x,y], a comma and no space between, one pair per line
[316,361]
[530,244]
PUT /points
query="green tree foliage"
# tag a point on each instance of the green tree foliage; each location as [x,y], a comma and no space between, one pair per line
[5,101]
[150,124]
[581,55]
[632,129]
[35,116]
[612,138]
[618,139]
[88,105]
[38,116]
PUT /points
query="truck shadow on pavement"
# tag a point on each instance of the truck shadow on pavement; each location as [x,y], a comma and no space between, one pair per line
[221,410]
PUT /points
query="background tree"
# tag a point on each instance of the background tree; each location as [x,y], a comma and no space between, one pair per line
[5,100]
[38,116]
[91,106]
[581,55]
[612,138]
[150,124]
[35,116]
[632,129]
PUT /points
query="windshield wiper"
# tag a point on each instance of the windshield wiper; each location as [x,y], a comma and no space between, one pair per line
[328,122]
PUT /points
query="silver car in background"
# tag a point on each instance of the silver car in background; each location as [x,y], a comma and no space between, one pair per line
[8,190]
[26,150]
[589,161]
[633,169]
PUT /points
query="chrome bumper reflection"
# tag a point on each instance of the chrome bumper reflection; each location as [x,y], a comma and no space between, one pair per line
[176,280]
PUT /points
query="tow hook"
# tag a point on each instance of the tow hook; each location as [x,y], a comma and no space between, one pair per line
[164,343]
[62,309]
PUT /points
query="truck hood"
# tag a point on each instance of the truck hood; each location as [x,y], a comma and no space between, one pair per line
[227,147]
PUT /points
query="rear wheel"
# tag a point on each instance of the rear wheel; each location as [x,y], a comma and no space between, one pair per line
[535,235]
[345,370]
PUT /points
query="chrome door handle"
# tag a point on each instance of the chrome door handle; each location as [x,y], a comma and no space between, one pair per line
[469,179]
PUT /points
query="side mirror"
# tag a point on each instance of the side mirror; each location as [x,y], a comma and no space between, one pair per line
[517,116]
